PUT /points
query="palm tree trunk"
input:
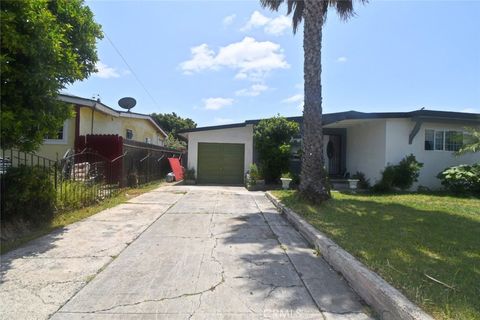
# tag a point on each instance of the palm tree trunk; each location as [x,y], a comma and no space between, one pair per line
[313,182]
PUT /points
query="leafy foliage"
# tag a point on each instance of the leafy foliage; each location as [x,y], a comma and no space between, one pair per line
[45,45]
[401,176]
[272,140]
[463,179]
[363,182]
[173,142]
[172,123]
[28,194]
[255,172]
[471,141]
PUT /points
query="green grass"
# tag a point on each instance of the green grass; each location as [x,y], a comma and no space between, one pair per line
[65,218]
[405,237]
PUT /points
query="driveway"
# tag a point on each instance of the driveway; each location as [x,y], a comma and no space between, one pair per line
[177,253]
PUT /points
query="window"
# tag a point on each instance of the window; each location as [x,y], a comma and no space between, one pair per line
[129,134]
[453,140]
[429,139]
[438,140]
[60,137]
[148,140]
[443,140]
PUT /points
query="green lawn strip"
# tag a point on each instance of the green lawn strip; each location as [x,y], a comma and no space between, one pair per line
[405,238]
[65,218]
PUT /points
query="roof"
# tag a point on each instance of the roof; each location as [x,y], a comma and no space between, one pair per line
[329,118]
[98,105]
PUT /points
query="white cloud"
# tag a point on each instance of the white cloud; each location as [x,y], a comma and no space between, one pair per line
[228,20]
[274,26]
[222,120]
[251,59]
[105,72]
[217,103]
[253,91]
[342,59]
[202,58]
[278,26]
[293,99]
[296,98]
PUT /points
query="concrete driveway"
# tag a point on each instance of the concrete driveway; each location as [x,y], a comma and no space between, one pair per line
[188,253]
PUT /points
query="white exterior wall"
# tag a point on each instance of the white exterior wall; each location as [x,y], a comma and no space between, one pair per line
[434,161]
[242,135]
[366,145]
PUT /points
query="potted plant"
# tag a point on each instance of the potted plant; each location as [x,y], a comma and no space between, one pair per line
[286,179]
[254,179]
[190,176]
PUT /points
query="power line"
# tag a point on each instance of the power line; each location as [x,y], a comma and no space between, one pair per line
[131,69]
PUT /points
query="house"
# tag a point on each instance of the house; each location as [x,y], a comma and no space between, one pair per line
[92,117]
[353,141]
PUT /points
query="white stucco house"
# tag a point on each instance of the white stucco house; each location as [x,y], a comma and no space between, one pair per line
[356,141]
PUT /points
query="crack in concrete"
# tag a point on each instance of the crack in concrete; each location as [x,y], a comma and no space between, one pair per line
[183,295]
[293,265]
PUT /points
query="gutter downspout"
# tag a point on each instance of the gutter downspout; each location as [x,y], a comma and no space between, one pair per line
[93,115]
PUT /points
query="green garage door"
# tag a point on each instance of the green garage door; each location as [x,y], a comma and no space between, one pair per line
[220,163]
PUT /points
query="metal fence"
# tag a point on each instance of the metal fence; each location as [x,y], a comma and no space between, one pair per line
[79,179]
[143,162]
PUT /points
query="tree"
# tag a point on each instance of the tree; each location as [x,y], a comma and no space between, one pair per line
[313,177]
[173,142]
[272,139]
[172,123]
[45,45]
[471,142]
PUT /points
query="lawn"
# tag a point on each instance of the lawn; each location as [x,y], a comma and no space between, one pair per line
[407,238]
[66,218]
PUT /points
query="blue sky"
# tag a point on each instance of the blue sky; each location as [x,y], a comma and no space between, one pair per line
[221,62]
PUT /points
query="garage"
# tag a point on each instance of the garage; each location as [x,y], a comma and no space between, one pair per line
[220,163]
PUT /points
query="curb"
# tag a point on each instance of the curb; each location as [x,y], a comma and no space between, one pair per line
[387,301]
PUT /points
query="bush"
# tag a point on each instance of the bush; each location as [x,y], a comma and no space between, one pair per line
[254,172]
[272,139]
[28,194]
[401,176]
[76,194]
[463,179]
[363,182]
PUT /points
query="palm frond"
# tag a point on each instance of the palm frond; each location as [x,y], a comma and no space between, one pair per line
[297,7]
[271,4]
[344,8]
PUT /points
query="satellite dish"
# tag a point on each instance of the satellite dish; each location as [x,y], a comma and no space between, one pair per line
[127,103]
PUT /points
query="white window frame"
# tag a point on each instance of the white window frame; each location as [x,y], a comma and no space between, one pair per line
[64,139]
[126,134]
[444,138]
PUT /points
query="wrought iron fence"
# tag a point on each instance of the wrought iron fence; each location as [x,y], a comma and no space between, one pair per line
[79,179]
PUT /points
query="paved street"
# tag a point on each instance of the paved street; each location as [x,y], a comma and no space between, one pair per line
[177,252]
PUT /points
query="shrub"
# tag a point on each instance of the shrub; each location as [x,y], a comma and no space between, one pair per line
[28,194]
[272,139]
[363,182]
[254,172]
[401,176]
[463,179]
[76,194]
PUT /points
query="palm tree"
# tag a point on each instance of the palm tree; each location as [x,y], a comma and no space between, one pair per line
[313,178]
